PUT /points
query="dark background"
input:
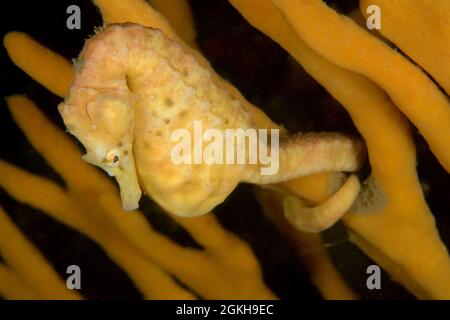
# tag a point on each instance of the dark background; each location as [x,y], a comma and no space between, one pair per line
[269,78]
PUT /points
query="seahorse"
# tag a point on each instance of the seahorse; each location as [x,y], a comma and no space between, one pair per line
[134,86]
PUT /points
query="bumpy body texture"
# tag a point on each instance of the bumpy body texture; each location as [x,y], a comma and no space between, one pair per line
[134,87]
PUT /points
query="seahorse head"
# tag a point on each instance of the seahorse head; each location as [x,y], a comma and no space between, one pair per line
[103,123]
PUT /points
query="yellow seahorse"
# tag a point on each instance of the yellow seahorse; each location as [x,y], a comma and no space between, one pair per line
[134,87]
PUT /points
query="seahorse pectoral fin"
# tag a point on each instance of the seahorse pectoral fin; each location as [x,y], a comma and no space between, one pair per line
[130,191]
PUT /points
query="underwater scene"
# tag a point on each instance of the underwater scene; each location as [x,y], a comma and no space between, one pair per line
[225,150]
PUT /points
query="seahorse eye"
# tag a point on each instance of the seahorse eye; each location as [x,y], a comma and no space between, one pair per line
[113,158]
